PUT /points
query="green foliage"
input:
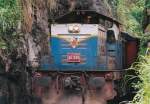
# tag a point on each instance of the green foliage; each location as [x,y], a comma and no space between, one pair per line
[143,70]
[10,14]
[2,44]
[131,15]
[143,44]
[147,4]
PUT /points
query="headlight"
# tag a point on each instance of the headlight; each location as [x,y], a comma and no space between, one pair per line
[76,28]
[73,29]
[70,28]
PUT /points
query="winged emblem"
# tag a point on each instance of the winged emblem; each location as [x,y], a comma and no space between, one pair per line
[74,42]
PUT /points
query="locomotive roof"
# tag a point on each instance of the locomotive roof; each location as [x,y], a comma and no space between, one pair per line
[128,37]
[89,12]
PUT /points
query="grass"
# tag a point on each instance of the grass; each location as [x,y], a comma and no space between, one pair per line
[143,70]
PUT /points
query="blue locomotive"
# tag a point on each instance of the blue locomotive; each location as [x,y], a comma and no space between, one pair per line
[87,54]
[87,46]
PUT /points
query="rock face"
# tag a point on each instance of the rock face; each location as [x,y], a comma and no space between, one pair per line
[64,6]
[101,6]
[35,30]
[113,7]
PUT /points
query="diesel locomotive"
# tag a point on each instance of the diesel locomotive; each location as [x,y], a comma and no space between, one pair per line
[88,53]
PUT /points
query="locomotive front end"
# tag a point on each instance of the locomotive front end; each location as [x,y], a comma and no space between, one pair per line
[86,57]
[74,46]
[83,47]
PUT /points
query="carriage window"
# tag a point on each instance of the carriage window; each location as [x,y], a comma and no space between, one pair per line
[108,24]
[102,21]
[87,19]
[111,36]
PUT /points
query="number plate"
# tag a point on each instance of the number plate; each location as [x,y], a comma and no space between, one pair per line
[73,57]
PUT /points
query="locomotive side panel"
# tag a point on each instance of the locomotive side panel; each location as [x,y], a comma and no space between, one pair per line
[132,51]
[131,48]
